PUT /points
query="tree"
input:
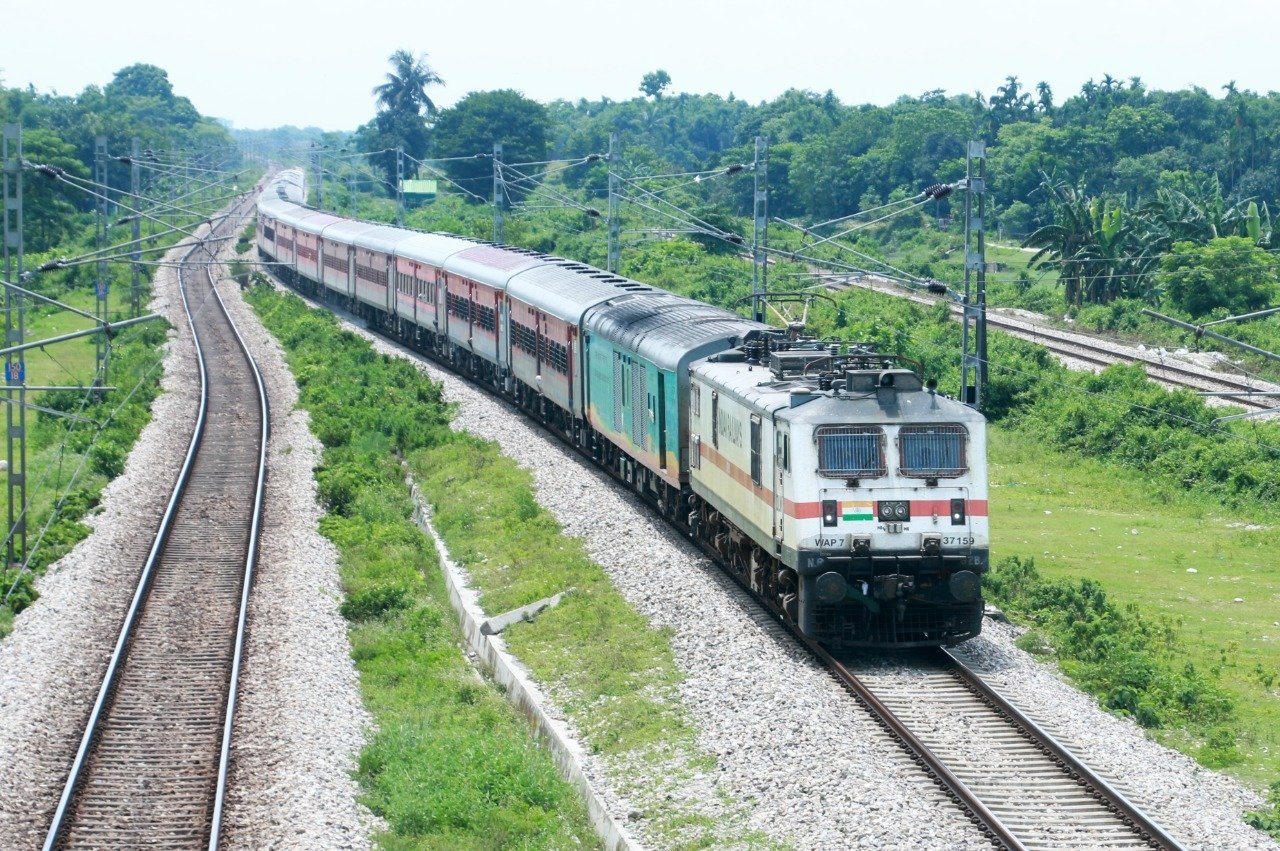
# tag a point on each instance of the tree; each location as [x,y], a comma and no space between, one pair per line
[50,204]
[401,101]
[1097,246]
[1044,98]
[655,83]
[140,80]
[471,127]
[405,90]
[1231,274]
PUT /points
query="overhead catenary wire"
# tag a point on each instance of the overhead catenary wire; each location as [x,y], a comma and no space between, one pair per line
[89,191]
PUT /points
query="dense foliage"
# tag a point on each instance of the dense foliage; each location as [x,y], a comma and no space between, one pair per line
[60,130]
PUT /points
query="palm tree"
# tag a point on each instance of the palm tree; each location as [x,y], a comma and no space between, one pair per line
[406,87]
[1044,99]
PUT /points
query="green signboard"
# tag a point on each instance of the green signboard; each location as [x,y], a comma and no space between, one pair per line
[418,187]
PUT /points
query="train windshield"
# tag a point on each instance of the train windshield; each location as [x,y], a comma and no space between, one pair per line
[854,452]
[932,451]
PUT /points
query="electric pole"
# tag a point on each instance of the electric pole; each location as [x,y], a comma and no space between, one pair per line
[973,360]
[102,286]
[499,190]
[615,225]
[320,177]
[399,186]
[760,240]
[135,187]
[15,372]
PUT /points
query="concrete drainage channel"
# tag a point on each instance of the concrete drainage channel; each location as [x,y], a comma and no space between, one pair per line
[481,634]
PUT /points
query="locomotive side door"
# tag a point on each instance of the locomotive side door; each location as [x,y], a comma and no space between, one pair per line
[781,466]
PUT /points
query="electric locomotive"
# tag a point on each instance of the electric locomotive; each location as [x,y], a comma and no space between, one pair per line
[848,494]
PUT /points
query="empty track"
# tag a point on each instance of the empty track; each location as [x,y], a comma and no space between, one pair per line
[152,764]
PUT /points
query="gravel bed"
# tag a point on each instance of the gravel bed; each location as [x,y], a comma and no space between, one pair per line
[300,722]
[810,768]
[51,665]
[1200,807]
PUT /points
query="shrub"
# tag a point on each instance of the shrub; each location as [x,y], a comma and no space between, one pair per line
[1267,819]
[108,457]
[1129,661]
[375,602]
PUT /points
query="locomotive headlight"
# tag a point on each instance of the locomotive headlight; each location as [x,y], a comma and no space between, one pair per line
[893,510]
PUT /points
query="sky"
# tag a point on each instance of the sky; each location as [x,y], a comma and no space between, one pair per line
[260,64]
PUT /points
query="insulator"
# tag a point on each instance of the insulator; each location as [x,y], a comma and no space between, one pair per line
[938,191]
[937,287]
[735,239]
[594,158]
[734,169]
[593,212]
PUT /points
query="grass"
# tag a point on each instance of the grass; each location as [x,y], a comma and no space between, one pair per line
[452,764]
[611,671]
[1175,556]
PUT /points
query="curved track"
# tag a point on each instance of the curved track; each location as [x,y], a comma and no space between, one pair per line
[152,764]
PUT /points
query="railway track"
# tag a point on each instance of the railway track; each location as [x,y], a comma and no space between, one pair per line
[1030,793]
[1098,354]
[152,764]
[1035,792]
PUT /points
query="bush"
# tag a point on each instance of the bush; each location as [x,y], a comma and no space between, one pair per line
[1267,819]
[108,457]
[24,588]
[375,602]
[1041,298]
[1130,662]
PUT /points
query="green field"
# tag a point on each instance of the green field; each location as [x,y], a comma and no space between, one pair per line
[1080,518]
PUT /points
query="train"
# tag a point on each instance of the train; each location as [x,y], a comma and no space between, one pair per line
[846,492]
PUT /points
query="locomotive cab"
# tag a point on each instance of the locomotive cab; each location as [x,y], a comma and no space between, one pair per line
[853,495]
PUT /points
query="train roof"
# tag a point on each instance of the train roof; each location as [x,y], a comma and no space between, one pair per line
[381,238]
[290,185]
[276,208]
[759,387]
[667,329]
[432,248]
[566,289]
[313,221]
[491,264]
[347,230]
